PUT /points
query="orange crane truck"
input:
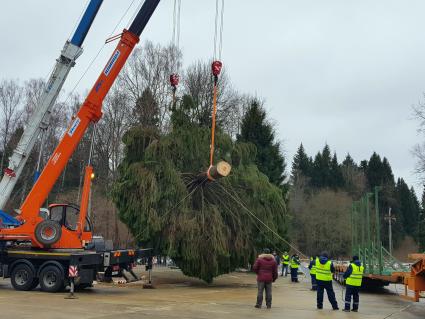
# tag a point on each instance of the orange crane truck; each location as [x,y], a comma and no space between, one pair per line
[51,249]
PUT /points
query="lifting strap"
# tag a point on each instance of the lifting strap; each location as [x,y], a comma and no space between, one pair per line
[216,69]
[175,42]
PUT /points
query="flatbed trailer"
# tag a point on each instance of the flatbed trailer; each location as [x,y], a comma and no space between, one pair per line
[413,280]
[53,269]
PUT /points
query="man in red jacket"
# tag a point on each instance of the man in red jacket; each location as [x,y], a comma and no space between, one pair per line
[266,269]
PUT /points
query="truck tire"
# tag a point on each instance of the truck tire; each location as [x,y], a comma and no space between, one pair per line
[51,279]
[48,232]
[22,277]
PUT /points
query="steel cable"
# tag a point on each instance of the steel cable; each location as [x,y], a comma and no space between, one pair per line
[98,53]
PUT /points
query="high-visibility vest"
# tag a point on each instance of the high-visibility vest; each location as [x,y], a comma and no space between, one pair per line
[323,272]
[356,276]
[313,268]
[293,263]
[285,259]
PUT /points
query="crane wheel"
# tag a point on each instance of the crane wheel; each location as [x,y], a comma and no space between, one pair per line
[22,277]
[48,232]
[51,279]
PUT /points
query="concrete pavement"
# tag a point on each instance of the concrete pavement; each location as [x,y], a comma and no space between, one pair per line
[176,296]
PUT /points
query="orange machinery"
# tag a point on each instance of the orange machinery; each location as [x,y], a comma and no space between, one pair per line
[49,233]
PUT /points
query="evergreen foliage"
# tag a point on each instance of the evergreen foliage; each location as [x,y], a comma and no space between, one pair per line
[301,165]
[255,129]
[146,109]
[326,173]
[409,207]
[204,230]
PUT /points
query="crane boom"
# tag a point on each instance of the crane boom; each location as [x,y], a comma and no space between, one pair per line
[32,225]
[39,120]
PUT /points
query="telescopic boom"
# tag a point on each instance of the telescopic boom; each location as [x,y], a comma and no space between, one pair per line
[39,120]
[89,112]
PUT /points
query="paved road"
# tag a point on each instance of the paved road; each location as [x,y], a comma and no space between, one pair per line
[231,296]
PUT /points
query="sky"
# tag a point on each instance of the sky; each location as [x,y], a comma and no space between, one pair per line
[346,73]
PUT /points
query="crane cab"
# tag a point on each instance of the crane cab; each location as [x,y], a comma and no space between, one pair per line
[67,217]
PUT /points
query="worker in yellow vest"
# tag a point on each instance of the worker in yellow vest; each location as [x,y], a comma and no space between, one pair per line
[312,267]
[295,263]
[324,270]
[353,281]
[285,264]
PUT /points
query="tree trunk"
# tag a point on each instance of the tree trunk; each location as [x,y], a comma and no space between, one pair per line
[222,169]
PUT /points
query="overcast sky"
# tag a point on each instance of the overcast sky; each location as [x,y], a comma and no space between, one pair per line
[344,73]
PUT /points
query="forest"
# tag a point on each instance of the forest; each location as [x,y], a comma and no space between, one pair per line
[149,151]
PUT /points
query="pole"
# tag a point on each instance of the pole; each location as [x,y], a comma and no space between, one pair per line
[352,229]
[390,239]
[378,231]
[369,242]
[362,221]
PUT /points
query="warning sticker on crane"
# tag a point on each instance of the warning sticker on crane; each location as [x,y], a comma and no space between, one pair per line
[72,271]
[74,126]
[111,63]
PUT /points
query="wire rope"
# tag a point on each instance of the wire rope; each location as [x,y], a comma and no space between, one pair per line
[239,201]
[98,52]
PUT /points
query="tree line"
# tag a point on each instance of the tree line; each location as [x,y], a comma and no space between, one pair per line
[323,186]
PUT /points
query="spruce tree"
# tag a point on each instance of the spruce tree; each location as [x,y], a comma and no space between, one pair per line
[301,165]
[257,130]
[353,177]
[337,180]
[321,176]
[374,171]
[409,207]
[200,224]
[146,110]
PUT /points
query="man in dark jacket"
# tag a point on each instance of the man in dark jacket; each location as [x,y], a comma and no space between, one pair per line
[276,258]
[266,269]
[324,270]
[353,281]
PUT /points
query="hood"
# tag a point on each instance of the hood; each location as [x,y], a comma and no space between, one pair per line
[357,263]
[266,256]
[323,260]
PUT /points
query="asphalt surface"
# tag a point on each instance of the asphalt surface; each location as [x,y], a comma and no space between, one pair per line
[176,296]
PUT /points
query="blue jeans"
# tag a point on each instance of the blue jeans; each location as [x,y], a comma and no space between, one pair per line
[352,291]
[321,287]
[284,269]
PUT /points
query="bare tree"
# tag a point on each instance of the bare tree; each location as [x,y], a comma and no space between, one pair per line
[419,149]
[11,112]
[33,90]
[199,83]
[117,119]
[321,221]
[150,67]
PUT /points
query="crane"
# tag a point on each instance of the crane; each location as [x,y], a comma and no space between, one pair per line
[53,232]
[39,120]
